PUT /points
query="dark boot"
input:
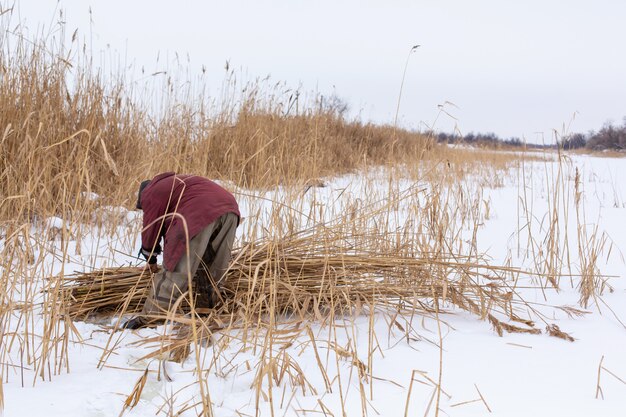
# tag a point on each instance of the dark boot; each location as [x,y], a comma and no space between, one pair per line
[203,291]
[138,322]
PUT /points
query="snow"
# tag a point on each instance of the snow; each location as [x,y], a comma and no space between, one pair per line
[517,374]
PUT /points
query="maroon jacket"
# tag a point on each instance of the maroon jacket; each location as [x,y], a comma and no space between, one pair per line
[199,200]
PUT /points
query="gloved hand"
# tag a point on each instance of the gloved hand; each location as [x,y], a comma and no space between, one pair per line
[150,255]
[154,267]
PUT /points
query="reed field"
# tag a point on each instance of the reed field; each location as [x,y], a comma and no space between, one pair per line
[367,257]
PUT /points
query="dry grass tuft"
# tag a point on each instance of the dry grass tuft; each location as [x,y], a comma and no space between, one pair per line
[133,399]
[553,330]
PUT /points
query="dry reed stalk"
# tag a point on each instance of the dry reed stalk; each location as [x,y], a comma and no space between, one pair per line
[437,390]
[465,402]
[599,392]
[133,398]
[408,396]
[482,398]
[440,344]
[590,247]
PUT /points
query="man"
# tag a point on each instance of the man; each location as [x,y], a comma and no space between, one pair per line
[184,209]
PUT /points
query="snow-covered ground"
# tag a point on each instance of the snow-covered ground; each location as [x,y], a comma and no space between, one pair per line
[480,372]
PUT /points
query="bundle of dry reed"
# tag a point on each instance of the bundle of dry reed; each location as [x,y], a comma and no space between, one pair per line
[319,274]
[105,291]
[312,275]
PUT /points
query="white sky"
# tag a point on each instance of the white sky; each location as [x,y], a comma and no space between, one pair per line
[512,67]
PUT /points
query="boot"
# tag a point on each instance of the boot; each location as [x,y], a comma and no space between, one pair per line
[137,322]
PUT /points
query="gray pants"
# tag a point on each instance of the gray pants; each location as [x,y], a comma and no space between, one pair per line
[209,256]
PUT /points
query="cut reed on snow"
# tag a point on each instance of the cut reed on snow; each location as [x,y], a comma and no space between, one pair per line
[313,275]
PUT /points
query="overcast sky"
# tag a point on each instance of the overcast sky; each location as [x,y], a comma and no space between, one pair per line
[515,68]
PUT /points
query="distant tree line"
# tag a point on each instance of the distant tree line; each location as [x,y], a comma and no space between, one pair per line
[609,137]
[483,139]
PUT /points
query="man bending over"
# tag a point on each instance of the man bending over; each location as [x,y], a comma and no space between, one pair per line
[181,209]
